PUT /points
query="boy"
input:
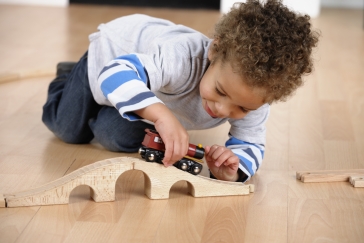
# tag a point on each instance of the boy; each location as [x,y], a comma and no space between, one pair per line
[143,72]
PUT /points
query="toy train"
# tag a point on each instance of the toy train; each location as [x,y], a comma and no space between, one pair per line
[153,151]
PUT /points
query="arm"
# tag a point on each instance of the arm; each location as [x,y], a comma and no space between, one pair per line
[123,82]
[247,141]
[222,162]
[250,156]
[238,161]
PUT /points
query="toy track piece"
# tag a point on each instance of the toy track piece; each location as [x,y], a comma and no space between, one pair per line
[159,179]
[357,181]
[8,77]
[327,175]
[2,201]
[101,177]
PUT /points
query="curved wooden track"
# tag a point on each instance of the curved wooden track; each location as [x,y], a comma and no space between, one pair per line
[101,177]
[14,76]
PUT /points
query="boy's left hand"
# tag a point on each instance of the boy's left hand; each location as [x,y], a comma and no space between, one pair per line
[222,162]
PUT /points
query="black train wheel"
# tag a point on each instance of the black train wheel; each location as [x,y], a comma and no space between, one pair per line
[182,165]
[196,169]
[189,166]
[150,156]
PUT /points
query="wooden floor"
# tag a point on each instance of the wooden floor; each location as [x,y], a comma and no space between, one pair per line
[322,127]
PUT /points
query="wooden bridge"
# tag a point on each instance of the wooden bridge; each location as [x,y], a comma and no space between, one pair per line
[101,177]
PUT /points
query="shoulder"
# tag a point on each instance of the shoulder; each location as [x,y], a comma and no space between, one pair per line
[144,17]
[139,18]
[254,117]
[181,62]
[252,128]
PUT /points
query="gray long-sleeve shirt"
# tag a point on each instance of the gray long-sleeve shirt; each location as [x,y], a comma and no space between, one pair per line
[169,60]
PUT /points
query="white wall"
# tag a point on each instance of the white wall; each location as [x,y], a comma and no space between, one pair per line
[310,7]
[62,3]
[342,3]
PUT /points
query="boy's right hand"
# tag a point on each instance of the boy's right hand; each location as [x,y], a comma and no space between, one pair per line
[175,138]
[173,134]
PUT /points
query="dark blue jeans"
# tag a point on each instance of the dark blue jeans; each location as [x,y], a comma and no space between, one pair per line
[72,114]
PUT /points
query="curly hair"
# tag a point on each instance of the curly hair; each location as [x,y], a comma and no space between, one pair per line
[268,44]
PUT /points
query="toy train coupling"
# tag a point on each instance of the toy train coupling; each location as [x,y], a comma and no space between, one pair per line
[153,151]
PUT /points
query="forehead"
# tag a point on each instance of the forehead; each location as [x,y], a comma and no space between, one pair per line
[236,88]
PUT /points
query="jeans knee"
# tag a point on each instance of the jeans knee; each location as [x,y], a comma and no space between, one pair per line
[117,145]
[67,134]
[116,133]
[72,138]
[117,139]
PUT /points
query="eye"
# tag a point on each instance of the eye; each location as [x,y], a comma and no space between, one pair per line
[244,110]
[219,92]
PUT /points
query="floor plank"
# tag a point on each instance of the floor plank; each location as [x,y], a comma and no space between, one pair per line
[319,128]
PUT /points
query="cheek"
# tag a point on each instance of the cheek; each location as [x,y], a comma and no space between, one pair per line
[206,91]
[203,91]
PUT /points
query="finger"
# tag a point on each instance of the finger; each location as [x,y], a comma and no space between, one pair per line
[179,150]
[232,162]
[185,147]
[180,147]
[168,153]
[209,152]
[222,157]
[217,152]
[213,154]
[212,150]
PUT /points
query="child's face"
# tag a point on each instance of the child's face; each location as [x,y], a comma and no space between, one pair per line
[225,95]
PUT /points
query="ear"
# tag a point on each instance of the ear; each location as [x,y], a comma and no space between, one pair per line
[213,49]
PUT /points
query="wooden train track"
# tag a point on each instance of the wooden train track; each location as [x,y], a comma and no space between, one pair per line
[24,74]
[355,176]
[101,177]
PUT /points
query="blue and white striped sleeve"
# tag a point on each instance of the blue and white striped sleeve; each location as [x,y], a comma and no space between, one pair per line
[250,155]
[123,82]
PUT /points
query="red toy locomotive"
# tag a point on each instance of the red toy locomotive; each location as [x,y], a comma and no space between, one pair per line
[153,151]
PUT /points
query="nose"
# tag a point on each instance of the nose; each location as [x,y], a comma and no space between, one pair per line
[229,110]
[223,109]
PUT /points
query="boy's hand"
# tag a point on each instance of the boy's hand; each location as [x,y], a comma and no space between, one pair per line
[173,134]
[222,162]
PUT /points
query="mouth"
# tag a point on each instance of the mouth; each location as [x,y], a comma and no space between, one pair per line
[207,108]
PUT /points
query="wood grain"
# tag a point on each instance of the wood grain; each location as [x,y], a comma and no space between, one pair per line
[2,201]
[319,128]
[101,178]
[328,175]
[357,181]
